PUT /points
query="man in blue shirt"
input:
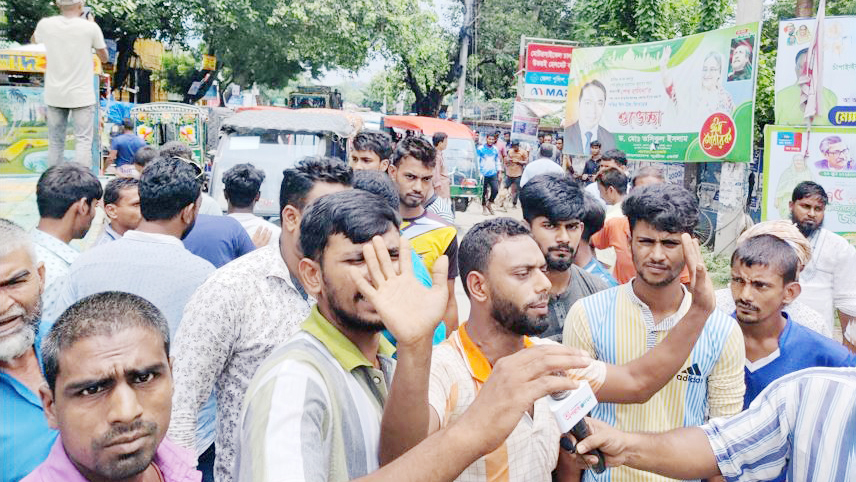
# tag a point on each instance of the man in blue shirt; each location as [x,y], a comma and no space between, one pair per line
[218,239]
[489,160]
[764,278]
[124,146]
[25,439]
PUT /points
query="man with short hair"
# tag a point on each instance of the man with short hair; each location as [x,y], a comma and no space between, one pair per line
[108,392]
[371,150]
[829,278]
[789,105]
[592,219]
[489,161]
[741,61]
[123,147]
[70,78]
[440,200]
[543,165]
[66,196]
[836,155]
[242,312]
[592,164]
[183,151]
[516,160]
[25,438]
[552,207]
[412,170]
[504,271]
[764,279]
[142,158]
[242,186]
[623,323]
[612,159]
[612,242]
[122,207]
[313,410]
[580,134]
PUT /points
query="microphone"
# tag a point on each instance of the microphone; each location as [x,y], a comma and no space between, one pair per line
[570,408]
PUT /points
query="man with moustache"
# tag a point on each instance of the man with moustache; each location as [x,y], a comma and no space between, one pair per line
[503,268]
[25,438]
[829,279]
[108,391]
[764,279]
[553,206]
[313,409]
[625,322]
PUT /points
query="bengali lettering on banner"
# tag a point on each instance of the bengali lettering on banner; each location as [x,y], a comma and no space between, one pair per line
[683,100]
[837,102]
[792,155]
[524,124]
[546,76]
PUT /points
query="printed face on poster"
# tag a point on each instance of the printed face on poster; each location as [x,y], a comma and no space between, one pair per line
[524,124]
[829,163]
[683,100]
[837,103]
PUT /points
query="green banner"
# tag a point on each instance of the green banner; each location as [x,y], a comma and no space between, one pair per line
[684,100]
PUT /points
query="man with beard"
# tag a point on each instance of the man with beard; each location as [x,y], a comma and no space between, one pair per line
[25,438]
[313,409]
[764,279]
[623,323]
[503,268]
[553,206]
[108,393]
[829,279]
[412,170]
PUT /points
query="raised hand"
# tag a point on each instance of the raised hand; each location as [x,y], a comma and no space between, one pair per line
[700,285]
[409,310]
[261,237]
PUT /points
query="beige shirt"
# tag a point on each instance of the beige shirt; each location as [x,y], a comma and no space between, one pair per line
[69,80]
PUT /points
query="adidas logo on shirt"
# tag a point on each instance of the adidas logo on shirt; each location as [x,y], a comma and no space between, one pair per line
[690,374]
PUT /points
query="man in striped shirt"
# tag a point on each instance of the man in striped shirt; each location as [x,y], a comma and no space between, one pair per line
[313,410]
[803,427]
[623,323]
[508,291]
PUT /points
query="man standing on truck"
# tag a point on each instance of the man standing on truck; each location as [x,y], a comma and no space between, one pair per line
[69,86]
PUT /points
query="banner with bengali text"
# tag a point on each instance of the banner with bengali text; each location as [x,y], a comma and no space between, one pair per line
[689,99]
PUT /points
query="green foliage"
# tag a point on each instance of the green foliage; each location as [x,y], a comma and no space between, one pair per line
[718,267]
[178,71]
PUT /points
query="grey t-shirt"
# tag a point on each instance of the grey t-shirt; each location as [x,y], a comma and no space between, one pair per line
[582,284]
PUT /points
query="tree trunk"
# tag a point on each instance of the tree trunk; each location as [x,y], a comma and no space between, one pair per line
[805,8]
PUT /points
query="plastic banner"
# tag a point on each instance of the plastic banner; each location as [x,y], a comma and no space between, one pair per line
[546,76]
[683,100]
[792,156]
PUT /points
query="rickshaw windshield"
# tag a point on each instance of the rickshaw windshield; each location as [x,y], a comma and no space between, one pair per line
[460,158]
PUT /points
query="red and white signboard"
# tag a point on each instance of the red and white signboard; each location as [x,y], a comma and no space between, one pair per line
[554,59]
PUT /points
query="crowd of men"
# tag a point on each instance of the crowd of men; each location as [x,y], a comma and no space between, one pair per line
[189,345]
[178,349]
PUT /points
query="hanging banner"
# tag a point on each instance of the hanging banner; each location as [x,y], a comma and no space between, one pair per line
[683,100]
[829,163]
[209,62]
[546,76]
[837,104]
[524,124]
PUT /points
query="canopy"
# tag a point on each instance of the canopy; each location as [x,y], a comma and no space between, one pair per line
[341,123]
[428,125]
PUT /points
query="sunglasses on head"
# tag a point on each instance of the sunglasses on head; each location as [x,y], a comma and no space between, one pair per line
[199,171]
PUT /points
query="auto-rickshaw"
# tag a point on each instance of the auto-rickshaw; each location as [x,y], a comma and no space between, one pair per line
[23,113]
[160,122]
[275,138]
[459,156]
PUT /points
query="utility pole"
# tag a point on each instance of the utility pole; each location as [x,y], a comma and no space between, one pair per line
[729,218]
[467,32]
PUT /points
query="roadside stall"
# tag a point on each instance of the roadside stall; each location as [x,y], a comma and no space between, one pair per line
[460,155]
[274,139]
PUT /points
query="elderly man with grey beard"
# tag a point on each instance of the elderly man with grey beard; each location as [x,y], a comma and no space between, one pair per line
[25,438]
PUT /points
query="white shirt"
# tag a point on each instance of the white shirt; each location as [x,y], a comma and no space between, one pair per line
[252,223]
[57,257]
[538,167]
[70,76]
[210,206]
[595,192]
[829,280]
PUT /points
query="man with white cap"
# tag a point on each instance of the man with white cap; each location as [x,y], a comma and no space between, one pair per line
[69,86]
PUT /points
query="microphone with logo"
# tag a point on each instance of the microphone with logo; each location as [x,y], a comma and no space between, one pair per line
[570,408]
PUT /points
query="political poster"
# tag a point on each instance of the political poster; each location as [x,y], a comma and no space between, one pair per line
[793,155]
[837,104]
[682,100]
[546,75]
[524,124]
